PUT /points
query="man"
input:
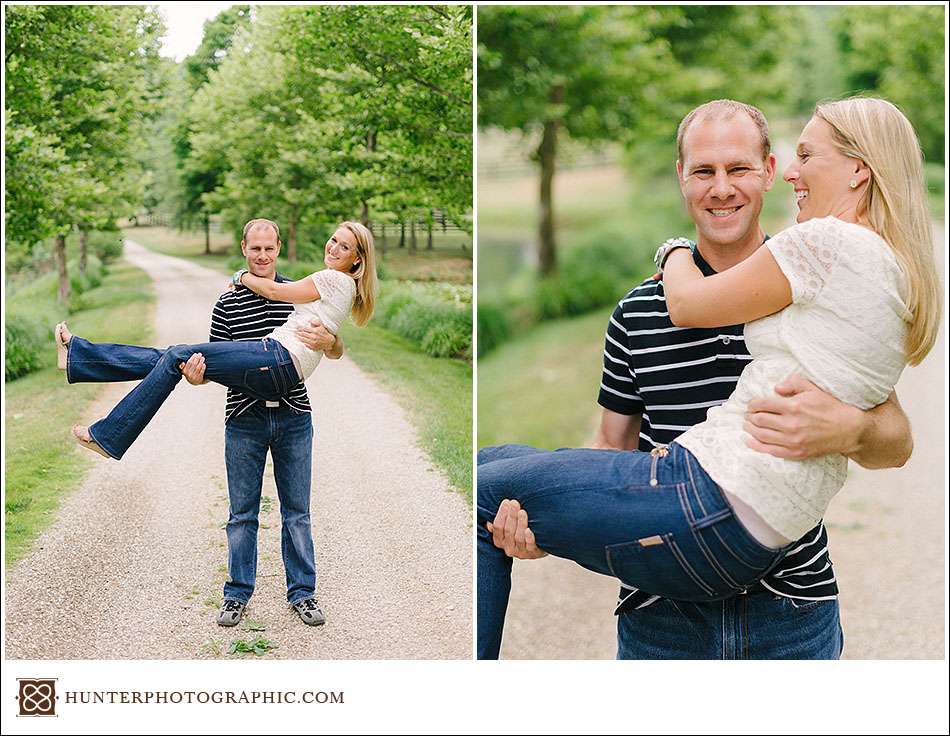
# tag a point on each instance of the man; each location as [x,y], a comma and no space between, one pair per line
[658,380]
[253,427]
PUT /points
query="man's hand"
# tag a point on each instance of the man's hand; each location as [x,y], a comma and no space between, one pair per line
[194,370]
[510,532]
[801,421]
[317,337]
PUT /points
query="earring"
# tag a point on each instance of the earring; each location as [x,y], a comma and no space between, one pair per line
[854,184]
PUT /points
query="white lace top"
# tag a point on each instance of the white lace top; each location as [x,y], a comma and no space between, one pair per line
[844,331]
[337,292]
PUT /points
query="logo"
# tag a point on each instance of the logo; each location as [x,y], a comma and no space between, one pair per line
[37,697]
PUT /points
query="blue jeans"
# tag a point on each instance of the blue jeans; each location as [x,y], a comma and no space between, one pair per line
[758,625]
[289,437]
[656,523]
[260,368]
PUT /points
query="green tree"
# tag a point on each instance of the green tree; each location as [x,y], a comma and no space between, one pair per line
[897,52]
[75,93]
[591,72]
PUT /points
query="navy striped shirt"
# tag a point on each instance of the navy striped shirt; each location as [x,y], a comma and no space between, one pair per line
[671,376]
[243,315]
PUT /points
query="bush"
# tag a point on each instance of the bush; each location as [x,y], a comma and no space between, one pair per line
[447,340]
[106,245]
[25,338]
[79,283]
[493,327]
[590,276]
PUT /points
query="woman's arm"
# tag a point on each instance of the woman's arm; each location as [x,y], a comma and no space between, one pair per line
[293,292]
[754,288]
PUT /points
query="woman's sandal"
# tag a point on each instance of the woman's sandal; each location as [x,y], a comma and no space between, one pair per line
[62,347]
[89,444]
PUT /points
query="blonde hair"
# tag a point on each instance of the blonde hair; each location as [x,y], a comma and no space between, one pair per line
[894,202]
[364,272]
[724,109]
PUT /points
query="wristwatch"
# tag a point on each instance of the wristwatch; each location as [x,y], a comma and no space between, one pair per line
[236,278]
[668,247]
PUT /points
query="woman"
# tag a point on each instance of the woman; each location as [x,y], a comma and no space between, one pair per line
[265,369]
[847,297]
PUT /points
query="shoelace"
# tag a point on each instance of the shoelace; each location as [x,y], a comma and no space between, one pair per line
[231,605]
[309,604]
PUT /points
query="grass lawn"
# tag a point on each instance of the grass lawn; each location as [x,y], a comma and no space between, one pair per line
[541,389]
[42,462]
[437,392]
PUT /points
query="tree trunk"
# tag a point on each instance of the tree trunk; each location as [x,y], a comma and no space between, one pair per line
[412,238]
[207,234]
[83,243]
[60,254]
[364,212]
[292,237]
[429,242]
[547,150]
[402,234]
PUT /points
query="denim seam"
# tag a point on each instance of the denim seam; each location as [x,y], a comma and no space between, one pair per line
[692,481]
[703,548]
[731,551]
[678,554]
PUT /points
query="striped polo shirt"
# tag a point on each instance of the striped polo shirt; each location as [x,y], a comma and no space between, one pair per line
[243,315]
[671,376]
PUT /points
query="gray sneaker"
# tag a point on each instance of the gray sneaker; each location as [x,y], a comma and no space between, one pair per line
[309,612]
[231,611]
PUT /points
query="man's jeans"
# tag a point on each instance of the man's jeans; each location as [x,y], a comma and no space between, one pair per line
[260,368]
[758,625]
[289,435]
[657,523]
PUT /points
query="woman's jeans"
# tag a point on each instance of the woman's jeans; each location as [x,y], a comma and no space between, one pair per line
[656,523]
[259,368]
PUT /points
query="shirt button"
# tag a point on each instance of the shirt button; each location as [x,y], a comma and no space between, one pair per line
[726,339]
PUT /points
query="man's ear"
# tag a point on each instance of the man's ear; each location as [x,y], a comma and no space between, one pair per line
[770,164]
[244,248]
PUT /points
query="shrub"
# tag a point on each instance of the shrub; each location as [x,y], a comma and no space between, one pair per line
[106,245]
[447,340]
[493,327]
[25,338]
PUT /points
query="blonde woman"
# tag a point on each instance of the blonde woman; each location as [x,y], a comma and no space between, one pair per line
[266,369]
[846,297]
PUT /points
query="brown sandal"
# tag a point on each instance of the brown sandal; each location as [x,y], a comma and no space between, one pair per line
[62,347]
[89,444]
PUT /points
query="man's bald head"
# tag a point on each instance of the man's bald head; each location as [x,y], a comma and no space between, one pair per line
[260,225]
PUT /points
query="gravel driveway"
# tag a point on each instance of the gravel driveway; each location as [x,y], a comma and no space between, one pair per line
[134,564]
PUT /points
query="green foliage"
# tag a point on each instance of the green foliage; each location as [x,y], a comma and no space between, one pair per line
[493,326]
[436,317]
[897,52]
[24,339]
[78,90]
[326,132]
[257,646]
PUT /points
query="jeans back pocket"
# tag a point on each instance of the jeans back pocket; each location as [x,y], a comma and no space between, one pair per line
[658,566]
[262,383]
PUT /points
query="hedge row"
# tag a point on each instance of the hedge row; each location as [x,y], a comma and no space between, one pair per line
[593,273]
[27,337]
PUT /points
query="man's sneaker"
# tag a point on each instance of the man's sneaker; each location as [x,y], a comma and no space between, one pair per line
[309,612]
[230,613]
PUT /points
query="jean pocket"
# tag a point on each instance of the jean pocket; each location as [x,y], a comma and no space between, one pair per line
[262,383]
[658,566]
